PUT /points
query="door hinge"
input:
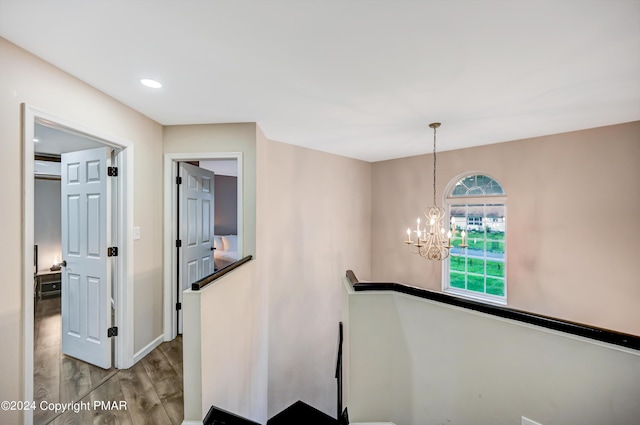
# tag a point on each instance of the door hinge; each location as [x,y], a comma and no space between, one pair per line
[178,180]
[178,306]
[112,171]
[112,251]
[111,332]
[178,243]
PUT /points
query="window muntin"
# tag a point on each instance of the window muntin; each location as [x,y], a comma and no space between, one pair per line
[477,205]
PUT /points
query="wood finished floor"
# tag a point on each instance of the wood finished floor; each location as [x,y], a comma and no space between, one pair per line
[152,388]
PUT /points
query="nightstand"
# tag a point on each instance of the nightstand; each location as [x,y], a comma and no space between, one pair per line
[48,283]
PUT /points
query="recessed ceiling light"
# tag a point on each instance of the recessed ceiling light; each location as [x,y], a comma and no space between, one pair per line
[36,140]
[151,83]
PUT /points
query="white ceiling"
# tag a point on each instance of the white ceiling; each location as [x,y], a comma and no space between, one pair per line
[360,78]
[221,167]
[56,141]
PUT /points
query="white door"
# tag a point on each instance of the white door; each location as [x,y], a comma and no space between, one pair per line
[196,227]
[86,278]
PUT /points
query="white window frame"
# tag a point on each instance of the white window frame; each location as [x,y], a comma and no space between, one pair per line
[474,200]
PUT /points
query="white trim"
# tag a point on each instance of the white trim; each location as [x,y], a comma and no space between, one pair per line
[148,348]
[351,292]
[170,228]
[28,238]
[372,423]
[124,273]
[169,250]
[191,423]
[124,357]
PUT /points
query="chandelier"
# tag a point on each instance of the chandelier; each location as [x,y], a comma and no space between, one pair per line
[431,241]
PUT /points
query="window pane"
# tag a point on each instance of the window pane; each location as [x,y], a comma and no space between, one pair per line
[493,188]
[475,212]
[482,181]
[469,181]
[494,218]
[475,283]
[459,190]
[458,211]
[475,240]
[457,264]
[495,269]
[475,265]
[456,280]
[495,286]
[495,246]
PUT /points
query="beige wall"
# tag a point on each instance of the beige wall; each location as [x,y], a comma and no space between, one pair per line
[317,219]
[27,79]
[572,232]
[313,222]
[216,138]
[415,361]
[47,223]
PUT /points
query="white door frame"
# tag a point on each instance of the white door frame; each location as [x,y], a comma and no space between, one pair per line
[171,231]
[124,216]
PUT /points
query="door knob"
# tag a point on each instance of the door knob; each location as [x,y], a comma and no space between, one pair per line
[64,263]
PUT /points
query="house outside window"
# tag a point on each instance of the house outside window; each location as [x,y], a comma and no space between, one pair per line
[477,204]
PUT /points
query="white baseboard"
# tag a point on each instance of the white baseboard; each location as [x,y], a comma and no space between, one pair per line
[372,423]
[191,423]
[147,349]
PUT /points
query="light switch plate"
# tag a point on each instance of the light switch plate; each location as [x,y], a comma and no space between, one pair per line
[136,233]
[527,421]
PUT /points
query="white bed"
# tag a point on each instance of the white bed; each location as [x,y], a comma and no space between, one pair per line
[226,250]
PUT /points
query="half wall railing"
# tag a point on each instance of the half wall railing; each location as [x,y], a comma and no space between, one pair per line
[583,330]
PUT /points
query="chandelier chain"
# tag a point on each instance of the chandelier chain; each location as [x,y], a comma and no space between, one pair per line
[434,166]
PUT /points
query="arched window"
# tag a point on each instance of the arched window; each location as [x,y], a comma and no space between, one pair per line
[477,204]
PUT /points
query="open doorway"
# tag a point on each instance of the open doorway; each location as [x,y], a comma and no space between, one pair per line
[226,232]
[66,366]
[49,374]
